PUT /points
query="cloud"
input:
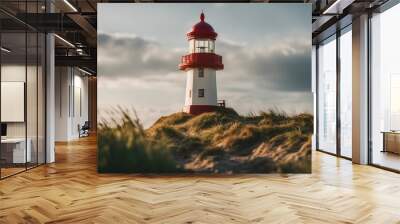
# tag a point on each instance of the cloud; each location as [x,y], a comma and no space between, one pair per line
[132,56]
[143,73]
[283,65]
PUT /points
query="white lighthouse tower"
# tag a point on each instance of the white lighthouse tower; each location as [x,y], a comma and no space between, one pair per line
[200,66]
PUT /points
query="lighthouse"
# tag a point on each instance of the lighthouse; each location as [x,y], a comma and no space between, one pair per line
[200,66]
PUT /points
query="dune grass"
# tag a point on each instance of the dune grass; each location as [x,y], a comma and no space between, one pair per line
[221,141]
[124,147]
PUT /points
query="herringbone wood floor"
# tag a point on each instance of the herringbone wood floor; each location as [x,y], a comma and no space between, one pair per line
[70,191]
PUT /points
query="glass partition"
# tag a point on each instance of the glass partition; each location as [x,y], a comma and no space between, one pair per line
[346,93]
[31,99]
[327,95]
[385,89]
[22,101]
[13,109]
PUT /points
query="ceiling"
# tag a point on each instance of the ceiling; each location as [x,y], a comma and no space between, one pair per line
[75,22]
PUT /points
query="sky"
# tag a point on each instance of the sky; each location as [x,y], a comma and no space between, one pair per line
[266,51]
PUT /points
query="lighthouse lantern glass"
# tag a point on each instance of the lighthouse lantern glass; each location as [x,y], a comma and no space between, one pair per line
[202,46]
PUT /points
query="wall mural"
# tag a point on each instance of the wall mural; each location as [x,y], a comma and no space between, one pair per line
[204,88]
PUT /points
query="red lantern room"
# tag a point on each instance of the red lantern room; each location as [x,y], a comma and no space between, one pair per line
[200,66]
[202,30]
[201,47]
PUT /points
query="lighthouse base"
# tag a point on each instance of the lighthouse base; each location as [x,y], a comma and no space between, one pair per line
[199,109]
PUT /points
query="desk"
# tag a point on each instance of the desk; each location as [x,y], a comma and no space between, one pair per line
[391,141]
[13,150]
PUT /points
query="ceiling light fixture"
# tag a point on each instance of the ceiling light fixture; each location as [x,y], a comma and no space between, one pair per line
[5,50]
[84,71]
[79,51]
[70,5]
[64,40]
[328,10]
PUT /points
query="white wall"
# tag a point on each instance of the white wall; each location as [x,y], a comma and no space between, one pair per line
[208,83]
[62,82]
[71,102]
[80,104]
[13,101]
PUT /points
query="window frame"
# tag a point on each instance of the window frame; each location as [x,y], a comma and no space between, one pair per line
[201,93]
[200,73]
[334,37]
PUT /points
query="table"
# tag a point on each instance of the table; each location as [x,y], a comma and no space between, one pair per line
[391,141]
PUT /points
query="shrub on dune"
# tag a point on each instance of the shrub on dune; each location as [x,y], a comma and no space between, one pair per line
[123,147]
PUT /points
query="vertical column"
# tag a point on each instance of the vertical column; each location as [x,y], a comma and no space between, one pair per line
[338,99]
[314,92]
[360,89]
[92,100]
[50,98]
[50,92]
[63,101]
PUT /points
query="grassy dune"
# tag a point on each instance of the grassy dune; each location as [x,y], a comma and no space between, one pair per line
[217,142]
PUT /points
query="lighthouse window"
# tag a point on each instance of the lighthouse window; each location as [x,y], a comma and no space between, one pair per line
[201,73]
[201,92]
[204,46]
[201,46]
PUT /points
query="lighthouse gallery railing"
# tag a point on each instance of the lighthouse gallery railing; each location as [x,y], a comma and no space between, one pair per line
[205,60]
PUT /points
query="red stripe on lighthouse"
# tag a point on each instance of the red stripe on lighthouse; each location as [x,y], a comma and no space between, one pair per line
[198,109]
